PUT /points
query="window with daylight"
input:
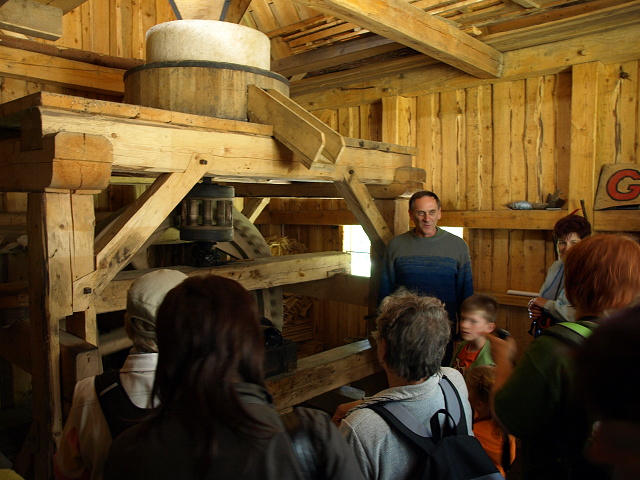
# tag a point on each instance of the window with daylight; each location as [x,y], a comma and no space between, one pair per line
[356,242]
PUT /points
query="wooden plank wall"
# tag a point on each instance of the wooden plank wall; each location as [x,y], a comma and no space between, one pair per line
[488,145]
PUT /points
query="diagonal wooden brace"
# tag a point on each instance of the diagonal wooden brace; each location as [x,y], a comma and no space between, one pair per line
[362,205]
[122,239]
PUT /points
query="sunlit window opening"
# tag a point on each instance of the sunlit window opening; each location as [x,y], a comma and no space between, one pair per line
[356,242]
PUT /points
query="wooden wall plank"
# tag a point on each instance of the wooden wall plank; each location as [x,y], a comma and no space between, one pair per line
[501,148]
[584,135]
[450,118]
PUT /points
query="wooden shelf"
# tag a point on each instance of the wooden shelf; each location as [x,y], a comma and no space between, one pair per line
[502,219]
[604,220]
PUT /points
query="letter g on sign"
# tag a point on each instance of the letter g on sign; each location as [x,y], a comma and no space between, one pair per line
[632,190]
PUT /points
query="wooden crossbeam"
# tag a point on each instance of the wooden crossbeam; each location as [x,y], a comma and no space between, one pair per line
[404,23]
[323,372]
[119,242]
[365,210]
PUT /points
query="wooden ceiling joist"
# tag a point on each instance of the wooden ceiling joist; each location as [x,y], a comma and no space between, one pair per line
[411,26]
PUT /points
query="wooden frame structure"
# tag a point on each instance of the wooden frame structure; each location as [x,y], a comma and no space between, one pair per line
[63,149]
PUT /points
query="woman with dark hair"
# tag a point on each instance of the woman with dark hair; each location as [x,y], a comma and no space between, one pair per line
[215,418]
[552,306]
[536,401]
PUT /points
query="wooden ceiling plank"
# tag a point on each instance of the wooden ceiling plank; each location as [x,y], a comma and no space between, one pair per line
[411,26]
[333,55]
[412,76]
[31,18]
[546,14]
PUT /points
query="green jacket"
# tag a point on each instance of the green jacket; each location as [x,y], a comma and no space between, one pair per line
[484,356]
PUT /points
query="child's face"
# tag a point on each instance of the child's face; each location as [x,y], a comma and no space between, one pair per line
[473,325]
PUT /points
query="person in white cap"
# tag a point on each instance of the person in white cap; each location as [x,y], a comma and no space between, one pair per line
[105,405]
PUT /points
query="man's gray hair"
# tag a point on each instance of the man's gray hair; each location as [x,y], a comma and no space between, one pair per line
[416,329]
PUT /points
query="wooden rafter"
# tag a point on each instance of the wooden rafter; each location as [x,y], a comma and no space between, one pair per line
[411,26]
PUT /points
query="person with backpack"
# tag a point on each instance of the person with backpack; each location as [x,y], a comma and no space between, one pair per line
[103,406]
[394,433]
[536,402]
[214,418]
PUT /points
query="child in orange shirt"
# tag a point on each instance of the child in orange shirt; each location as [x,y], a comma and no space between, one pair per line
[478,319]
[500,447]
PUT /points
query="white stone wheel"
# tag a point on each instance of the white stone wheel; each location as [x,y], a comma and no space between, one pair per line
[248,243]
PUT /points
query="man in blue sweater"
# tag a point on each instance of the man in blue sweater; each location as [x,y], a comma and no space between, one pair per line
[428,259]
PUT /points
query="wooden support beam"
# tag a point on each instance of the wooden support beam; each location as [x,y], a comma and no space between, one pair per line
[395,213]
[254,207]
[136,149]
[405,23]
[295,132]
[234,10]
[307,217]
[332,55]
[78,360]
[51,70]
[323,372]
[66,161]
[83,324]
[31,18]
[117,244]
[350,289]
[365,210]
[50,230]
[307,190]
[251,274]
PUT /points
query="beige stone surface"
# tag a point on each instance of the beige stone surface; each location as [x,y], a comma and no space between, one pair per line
[208,40]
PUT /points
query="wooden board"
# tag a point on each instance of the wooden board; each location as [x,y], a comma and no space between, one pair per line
[619,186]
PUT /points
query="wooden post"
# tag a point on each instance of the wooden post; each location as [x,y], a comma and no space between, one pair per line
[83,324]
[50,232]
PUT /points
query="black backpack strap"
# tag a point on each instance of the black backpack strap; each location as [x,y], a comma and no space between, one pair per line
[406,424]
[302,445]
[118,409]
[453,405]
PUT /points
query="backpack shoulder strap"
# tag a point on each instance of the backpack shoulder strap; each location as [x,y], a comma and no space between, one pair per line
[571,333]
[399,418]
[302,445]
[118,409]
